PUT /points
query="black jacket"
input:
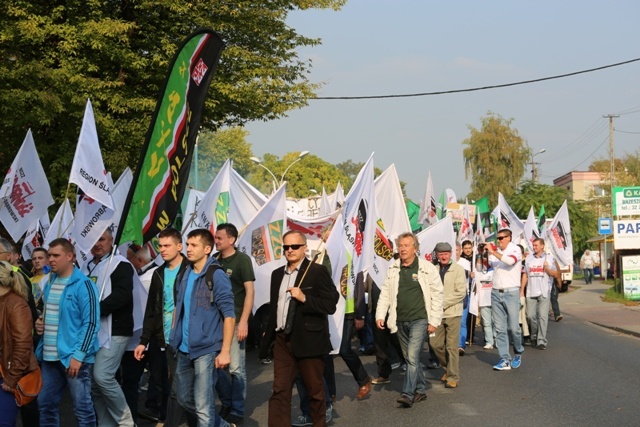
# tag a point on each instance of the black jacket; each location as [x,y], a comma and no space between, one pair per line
[120,302]
[153,324]
[310,334]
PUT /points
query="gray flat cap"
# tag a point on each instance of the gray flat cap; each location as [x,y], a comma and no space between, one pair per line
[443,247]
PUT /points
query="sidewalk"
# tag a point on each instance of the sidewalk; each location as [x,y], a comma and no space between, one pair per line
[585,302]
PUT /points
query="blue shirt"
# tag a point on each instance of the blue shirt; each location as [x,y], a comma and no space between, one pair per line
[169,304]
[186,305]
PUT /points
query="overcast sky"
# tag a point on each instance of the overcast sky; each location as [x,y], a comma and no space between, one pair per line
[382,47]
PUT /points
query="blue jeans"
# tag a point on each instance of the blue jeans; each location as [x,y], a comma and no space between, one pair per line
[588,275]
[505,310]
[111,406]
[195,386]
[463,324]
[54,381]
[8,408]
[411,335]
[487,324]
[233,392]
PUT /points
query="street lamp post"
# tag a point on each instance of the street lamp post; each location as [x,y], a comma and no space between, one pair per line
[534,172]
[275,182]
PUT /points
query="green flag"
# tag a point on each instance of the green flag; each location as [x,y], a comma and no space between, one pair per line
[163,170]
[441,209]
[413,210]
[542,219]
[482,209]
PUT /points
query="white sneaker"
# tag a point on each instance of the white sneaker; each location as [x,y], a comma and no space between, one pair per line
[488,347]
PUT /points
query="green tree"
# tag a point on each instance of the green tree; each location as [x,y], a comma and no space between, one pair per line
[214,148]
[495,157]
[310,173]
[584,222]
[56,54]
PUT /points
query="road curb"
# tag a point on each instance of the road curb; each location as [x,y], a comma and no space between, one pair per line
[617,329]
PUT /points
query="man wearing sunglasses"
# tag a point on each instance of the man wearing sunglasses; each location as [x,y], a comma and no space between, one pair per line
[302,296]
[505,299]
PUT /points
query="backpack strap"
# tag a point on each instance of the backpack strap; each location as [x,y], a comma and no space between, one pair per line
[209,278]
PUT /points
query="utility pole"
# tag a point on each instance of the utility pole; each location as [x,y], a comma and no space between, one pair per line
[611,155]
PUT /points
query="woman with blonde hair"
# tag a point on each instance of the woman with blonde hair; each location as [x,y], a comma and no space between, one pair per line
[16,354]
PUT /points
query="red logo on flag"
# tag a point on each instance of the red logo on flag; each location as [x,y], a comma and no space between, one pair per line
[199,71]
[19,194]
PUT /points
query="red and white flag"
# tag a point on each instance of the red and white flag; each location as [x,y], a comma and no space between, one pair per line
[35,236]
[441,231]
[428,214]
[466,230]
[25,191]
[261,239]
[88,171]
[508,219]
[558,236]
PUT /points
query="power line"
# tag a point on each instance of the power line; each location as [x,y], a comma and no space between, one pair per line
[587,136]
[626,131]
[475,89]
[591,155]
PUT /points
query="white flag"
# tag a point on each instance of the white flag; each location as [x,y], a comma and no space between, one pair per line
[531,229]
[193,202]
[34,237]
[88,170]
[441,231]
[62,224]
[466,231]
[262,241]
[244,200]
[25,191]
[428,214]
[325,205]
[316,229]
[214,206]
[508,219]
[392,220]
[337,198]
[558,236]
[93,218]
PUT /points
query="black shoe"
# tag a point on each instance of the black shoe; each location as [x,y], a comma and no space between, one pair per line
[419,397]
[404,401]
[542,347]
[527,342]
[149,414]
[433,365]
[232,418]
[224,412]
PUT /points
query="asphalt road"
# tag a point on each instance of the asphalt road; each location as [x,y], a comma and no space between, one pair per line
[588,376]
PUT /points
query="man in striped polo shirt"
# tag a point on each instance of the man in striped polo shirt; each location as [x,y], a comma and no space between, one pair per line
[70,324]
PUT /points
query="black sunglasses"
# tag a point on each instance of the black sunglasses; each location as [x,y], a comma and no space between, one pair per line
[294,247]
[502,237]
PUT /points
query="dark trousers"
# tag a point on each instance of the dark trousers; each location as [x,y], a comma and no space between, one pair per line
[384,341]
[132,371]
[554,301]
[159,387]
[285,368]
[350,357]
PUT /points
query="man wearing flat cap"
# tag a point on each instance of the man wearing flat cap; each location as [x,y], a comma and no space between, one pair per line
[411,295]
[445,343]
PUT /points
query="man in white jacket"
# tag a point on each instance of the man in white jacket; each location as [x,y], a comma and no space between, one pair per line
[412,296]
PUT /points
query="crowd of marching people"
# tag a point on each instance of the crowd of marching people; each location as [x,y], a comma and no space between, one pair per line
[186,320]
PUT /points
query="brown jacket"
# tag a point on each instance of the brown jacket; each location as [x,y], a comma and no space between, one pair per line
[16,344]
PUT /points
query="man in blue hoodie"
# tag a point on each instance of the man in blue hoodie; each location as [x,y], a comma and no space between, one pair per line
[202,336]
[70,324]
